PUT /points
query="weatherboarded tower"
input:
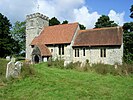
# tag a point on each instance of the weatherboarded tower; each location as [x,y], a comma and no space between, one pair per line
[34,24]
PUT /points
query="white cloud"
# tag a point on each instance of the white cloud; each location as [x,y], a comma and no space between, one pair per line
[83,16]
[63,9]
[16,10]
[117,17]
[71,10]
[45,7]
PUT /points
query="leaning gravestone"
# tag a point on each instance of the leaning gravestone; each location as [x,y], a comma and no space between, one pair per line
[10,68]
[13,69]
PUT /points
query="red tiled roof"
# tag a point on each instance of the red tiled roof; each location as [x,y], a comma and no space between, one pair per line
[57,34]
[44,50]
[99,37]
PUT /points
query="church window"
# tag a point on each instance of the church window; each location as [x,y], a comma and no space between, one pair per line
[61,49]
[76,52]
[83,51]
[103,52]
[51,50]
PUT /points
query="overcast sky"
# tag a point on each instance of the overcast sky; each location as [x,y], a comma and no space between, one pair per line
[85,12]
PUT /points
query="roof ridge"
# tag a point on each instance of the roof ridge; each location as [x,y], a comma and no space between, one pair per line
[44,28]
[99,29]
[64,24]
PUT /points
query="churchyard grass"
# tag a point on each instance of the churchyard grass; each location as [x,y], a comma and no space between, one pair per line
[66,84]
[3,64]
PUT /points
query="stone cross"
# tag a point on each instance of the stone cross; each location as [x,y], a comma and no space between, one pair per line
[38,6]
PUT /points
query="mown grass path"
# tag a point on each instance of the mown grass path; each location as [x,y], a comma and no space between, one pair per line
[57,84]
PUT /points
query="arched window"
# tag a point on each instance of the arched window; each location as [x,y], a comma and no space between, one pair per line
[83,51]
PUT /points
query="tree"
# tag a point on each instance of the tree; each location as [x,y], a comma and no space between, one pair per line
[7,44]
[131,11]
[65,22]
[128,27]
[54,21]
[128,39]
[128,47]
[18,34]
[82,27]
[104,21]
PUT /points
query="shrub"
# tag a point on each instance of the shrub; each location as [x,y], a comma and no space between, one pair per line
[126,69]
[104,69]
[99,68]
[72,65]
[87,66]
[57,63]
[129,68]
[27,70]
[49,62]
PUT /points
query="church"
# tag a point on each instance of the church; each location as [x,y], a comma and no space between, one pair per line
[68,42]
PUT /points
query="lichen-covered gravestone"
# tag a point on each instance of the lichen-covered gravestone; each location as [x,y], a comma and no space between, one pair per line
[18,66]
[13,69]
[10,68]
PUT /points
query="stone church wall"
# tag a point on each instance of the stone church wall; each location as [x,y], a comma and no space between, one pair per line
[114,55]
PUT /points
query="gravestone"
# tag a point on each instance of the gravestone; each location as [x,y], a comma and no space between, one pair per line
[13,69]
[13,59]
[18,66]
[10,69]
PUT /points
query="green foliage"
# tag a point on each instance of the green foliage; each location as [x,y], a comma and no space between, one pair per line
[3,64]
[131,11]
[104,69]
[54,21]
[82,27]
[27,70]
[128,27]
[59,63]
[128,47]
[65,22]
[104,21]
[72,65]
[122,70]
[128,39]
[58,84]
[127,69]
[7,44]
[18,34]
